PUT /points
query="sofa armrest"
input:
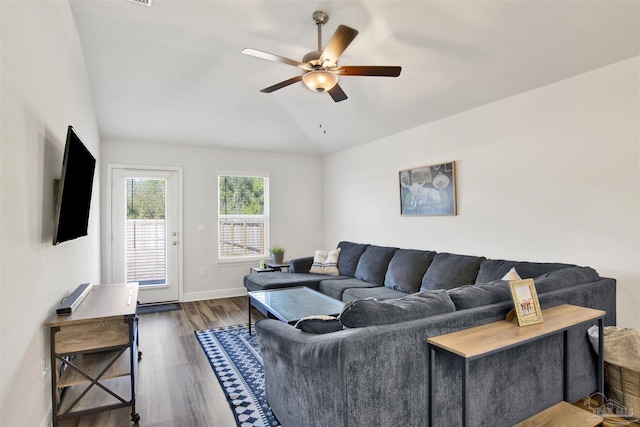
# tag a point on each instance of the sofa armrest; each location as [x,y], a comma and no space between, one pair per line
[300,265]
[302,370]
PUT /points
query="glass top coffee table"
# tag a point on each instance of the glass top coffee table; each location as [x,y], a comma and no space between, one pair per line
[292,304]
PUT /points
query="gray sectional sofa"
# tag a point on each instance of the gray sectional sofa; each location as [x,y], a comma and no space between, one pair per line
[373,371]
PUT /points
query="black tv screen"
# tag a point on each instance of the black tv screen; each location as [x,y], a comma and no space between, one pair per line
[74,194]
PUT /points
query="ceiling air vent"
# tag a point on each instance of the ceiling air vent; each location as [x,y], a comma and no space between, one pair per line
[142,2]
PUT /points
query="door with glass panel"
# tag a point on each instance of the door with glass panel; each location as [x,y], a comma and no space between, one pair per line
[145,241]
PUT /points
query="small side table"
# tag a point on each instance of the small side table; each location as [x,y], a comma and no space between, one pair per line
[261,270]
[279,266]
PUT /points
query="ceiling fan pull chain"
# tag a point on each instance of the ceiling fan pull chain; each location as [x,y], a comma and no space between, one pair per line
[321,114]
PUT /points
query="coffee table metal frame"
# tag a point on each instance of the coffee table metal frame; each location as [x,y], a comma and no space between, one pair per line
[292,304]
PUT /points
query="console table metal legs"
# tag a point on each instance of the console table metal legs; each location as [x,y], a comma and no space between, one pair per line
[432,386]
[601,356]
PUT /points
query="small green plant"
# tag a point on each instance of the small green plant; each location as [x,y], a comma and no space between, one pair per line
[276,249]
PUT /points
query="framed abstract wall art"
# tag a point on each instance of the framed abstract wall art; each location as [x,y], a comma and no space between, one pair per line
[428,190]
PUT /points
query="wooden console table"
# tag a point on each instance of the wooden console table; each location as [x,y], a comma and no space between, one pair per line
[94,354]
[481,341]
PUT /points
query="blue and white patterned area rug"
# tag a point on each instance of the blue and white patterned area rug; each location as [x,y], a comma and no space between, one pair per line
[235,358]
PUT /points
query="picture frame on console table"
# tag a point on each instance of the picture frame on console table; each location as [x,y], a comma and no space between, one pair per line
[428,190]
[525,300]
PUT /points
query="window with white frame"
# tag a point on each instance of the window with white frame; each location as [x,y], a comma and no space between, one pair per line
[243,215]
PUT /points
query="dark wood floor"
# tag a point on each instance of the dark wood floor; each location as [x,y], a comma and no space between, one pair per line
[176,385]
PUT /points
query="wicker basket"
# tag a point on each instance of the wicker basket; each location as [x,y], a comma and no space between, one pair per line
[623,387]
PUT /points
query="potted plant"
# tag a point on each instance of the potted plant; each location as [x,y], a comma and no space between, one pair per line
[277,254]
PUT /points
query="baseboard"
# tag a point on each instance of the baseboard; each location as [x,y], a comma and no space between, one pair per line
[217,294]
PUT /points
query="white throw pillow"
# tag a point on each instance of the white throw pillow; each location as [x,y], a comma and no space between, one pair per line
[512,275]
[326,262]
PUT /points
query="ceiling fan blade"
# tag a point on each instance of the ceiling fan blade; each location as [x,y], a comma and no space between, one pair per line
[280,85]
[337,93]
[369,70]
[339,41]
[270,57]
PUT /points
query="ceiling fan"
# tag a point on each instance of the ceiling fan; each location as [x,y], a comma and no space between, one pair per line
[321,70]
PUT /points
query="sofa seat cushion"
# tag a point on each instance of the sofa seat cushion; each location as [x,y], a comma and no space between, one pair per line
[406,269]
[335,288]
[494,269]
[378,292]
[449,271]
[277,280]
[564,278]
[373,264]
[350,254]
[470,296]
[368,312]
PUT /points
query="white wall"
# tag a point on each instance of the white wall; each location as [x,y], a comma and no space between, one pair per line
[44,89]
[549,175]
[295,198]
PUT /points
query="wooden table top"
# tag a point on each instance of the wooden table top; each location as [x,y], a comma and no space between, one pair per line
[102,302]
[480,340]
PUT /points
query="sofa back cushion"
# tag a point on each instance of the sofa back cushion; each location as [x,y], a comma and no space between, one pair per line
[368,312]
[565,277]
[470,296]
[494,269]
[350,254]
[449,271]
[373,264]
[406,269]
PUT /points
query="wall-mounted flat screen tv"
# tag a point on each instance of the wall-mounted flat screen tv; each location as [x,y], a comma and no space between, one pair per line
[74,191]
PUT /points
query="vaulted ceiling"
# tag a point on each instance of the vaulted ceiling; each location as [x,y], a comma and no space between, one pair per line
[173,72]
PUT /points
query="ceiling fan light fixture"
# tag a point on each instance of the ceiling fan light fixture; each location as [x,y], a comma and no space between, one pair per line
[320,80]
[321,71]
